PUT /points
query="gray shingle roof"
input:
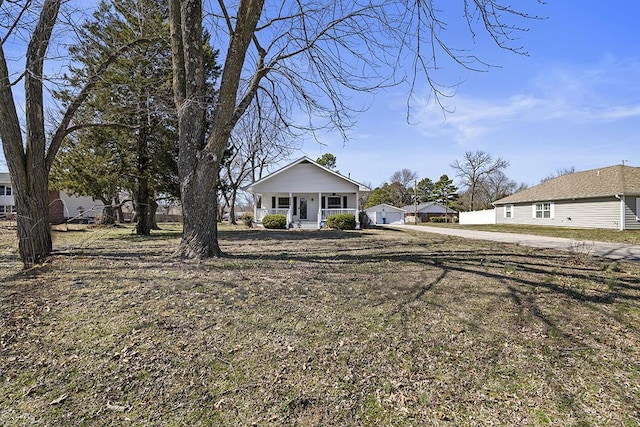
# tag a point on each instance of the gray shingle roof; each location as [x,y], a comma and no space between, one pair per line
[608,181]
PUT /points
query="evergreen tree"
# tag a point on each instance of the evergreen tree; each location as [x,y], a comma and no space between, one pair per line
[131,141]
[327,160]
[425,188]
[445,193]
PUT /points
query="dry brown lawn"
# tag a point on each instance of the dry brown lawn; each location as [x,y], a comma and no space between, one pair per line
[373,327]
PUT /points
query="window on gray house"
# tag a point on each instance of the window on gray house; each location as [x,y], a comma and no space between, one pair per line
[543,210]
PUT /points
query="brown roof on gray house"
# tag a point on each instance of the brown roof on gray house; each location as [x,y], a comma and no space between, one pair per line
[608,181]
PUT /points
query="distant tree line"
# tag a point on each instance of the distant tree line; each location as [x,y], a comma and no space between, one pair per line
[482,180]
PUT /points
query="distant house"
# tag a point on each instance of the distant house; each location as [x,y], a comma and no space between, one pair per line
[7,202]
[307,193]
[384,214]
[425,211]
[599,198]
[62,206]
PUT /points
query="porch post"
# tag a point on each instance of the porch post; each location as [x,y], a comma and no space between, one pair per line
[289,216]
[255,208]
[623,204]
[357,210]
[319,209]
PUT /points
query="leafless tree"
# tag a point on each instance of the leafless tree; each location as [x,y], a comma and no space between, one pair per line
[29,147]
[304,56]
[257,141]
[557,173]
[476,170]
[402,183]
[494,187]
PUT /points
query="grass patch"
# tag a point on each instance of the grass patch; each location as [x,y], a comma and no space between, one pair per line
[374,327]
[631,237]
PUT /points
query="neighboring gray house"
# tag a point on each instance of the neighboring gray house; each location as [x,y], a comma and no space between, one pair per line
[600,198]
[385,214]
[307,193]
[426,211]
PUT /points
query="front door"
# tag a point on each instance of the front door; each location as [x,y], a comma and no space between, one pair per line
[303,208]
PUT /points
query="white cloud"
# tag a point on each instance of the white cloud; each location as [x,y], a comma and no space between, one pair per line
[600,94]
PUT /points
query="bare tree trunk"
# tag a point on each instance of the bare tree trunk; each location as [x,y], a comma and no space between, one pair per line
[31,156]
[27,158]
[153,210]
[34,232]
[108,212]
[197,167]
[232,206]
[118,207]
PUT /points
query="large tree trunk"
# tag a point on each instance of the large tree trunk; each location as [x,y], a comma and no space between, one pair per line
[199,164]
[30,156]
[199,204]
[34,231]
[197,167]
[27,158]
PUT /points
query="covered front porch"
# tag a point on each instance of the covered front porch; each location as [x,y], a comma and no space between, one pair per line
[306,210]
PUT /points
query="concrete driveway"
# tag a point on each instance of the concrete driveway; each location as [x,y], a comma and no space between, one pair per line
[617,251]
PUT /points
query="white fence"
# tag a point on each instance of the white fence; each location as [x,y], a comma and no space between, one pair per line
[487,216]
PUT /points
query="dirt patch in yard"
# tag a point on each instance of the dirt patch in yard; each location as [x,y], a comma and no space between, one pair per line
[373,327]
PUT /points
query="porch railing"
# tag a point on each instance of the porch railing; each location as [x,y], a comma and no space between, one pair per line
[328,212]
[262,212]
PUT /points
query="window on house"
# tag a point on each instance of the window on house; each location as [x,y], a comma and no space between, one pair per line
[543,210]
[508,211]
[5,190]
[334,202]
[283,203]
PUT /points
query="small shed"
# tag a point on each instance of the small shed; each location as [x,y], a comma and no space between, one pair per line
[385,214]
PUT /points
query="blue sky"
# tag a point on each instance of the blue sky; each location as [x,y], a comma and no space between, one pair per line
[573,102]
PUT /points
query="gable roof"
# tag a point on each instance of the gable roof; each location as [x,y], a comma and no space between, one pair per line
[305,159]
[421,206]
[385,206]
[609,181]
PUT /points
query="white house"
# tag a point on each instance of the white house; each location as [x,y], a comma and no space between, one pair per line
[62,206]
[385,214]
[307,193]
[7,203]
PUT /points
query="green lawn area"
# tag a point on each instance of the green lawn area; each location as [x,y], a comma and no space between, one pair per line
[599,235]
[316,328]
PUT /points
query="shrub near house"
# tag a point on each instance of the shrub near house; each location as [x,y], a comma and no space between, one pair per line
[342,221]
[274,221]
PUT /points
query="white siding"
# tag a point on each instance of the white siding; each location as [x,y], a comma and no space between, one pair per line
[592,213]
[379,217]
[6,181]
[305,178]
[80,206]
[632,213]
